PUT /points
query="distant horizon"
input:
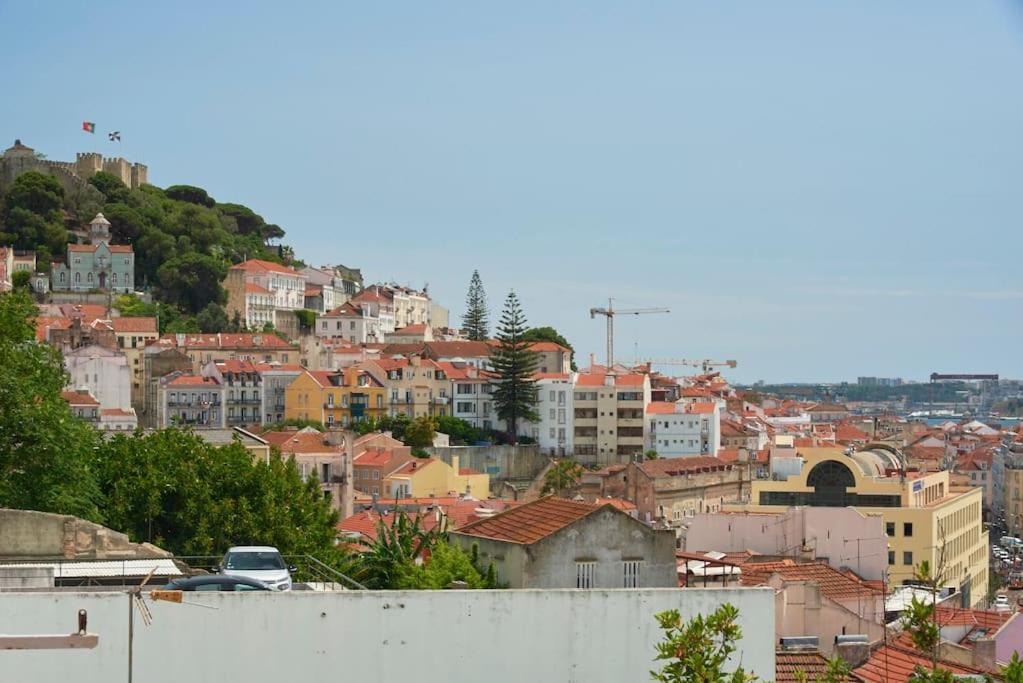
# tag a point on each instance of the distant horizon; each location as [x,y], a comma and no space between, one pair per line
[809,187]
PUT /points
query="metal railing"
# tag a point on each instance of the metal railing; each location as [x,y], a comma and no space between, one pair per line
[308,570]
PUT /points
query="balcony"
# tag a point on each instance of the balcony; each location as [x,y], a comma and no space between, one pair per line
[245,401]
[440,400]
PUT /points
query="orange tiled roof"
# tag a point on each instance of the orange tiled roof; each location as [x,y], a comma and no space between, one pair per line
[788,665]
[895,664]
[373,457]
[253,288]
[193,380]
[416,328]
[256,265]
[117,412]
[620,503]
[125,324]
[412,466]
[300,442]
[531,522]
[45,324]
[77,399]
[834,584]
[660,408]
[88,248]
[226,340]
[550,375]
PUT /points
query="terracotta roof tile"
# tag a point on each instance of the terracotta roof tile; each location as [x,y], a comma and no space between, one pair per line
[833,583]
[258,265]
[77,399]
[133,324]
[789,664]
[300,442]
[193,380]
[531,522]
[895,664]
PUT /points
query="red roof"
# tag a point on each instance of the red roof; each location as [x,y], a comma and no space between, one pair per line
[126,324]
[660,408]
[365,523]
[45,324]
[417,328]
[732,455]
[412,466]
[117,412]
[301,441]
[895,664]
[88,248]
[531,522]
[373,457]
[833,583]
[77,399]
[193,380]
[252,288]
[792,666]
[542,346]
[257,265]
[550,375]
[226,340]
[620,503]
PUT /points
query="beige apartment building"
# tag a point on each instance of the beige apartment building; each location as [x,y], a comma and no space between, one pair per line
[925,516]
[608,416]
[263,292]
[413,386]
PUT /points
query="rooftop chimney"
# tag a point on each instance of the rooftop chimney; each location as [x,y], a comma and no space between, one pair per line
[853,649]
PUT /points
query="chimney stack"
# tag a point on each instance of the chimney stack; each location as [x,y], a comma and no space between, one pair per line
[853,650]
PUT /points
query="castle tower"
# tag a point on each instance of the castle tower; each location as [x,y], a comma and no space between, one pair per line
[88,164]
[99,230]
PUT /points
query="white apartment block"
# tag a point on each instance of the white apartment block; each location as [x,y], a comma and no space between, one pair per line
[471,394]
[352,322]
[678,430]
[262,290]
[555,430]
[609,417]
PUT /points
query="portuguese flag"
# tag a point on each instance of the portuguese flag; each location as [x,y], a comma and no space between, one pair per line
[88,126]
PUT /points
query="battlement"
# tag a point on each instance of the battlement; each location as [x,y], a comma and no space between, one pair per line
[19,159]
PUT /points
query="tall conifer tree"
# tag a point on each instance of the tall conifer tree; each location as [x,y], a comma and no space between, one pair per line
[476,321]
[515,394]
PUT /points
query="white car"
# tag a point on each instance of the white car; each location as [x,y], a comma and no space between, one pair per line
[1001,602]
[260,562]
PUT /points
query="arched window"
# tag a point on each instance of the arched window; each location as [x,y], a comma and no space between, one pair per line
[89,277]
[78,278]
[62,278]
[831,480]
[113,278]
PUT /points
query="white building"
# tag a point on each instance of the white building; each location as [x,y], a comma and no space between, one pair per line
[554,431]
[378,304]
[681,429]
[265,292]
[117,420]
[352,322]
[471,394]
[104,372]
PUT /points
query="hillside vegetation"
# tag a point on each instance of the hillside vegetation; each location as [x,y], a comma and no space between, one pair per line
[184,240]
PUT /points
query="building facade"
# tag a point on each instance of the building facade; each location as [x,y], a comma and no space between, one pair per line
[99,265]
[334,399]
[352,322]
[680,429]
[609,419]
[192,401]
[926,518]
[101,371]
[263,292]
[556,543]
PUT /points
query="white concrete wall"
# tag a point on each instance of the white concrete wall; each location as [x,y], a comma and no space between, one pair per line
[426,636]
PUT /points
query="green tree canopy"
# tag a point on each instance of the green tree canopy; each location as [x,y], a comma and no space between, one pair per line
[420,432]
[213,318]
[515,394]
[33,213]
[191,281]
[190,194]
[476,320]
[176,490]
[111,186]
[44,450]
[696,651]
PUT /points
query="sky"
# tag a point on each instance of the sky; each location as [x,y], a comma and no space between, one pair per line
[818,190]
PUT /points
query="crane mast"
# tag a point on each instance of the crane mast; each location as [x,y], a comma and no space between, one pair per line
[610,312]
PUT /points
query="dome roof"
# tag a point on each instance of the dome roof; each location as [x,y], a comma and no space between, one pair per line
[100,219]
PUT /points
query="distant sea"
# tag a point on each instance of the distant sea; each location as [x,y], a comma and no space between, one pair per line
[938,421]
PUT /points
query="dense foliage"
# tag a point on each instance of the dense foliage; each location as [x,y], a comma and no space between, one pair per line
[170,487]
[696,651]
[45,452]
[515,395]
[184,240]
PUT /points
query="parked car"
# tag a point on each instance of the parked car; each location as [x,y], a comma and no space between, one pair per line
[1001,602]
[259,562]
[216,582]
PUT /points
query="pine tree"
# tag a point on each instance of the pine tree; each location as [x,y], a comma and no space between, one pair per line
[514,364]
[476,319]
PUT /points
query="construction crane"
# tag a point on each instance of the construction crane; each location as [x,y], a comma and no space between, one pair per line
[610,312]
[706,364]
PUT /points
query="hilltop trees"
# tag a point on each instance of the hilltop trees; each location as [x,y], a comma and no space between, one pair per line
[31,214]
[549,334]
[476,320]
[514,364]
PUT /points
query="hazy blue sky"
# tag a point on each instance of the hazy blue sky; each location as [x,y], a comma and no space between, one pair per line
[818,189]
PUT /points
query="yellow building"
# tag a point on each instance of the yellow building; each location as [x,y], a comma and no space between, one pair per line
[925,516]
[335,399]
[415,386]
[421,477]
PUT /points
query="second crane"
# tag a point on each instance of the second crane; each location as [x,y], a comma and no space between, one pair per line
[610,312]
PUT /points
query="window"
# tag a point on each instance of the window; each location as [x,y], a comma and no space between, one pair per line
[584,572]
[553,413]
[552,394]
[907,528]
[325,471]
[889,528]
[891,557]
[630,573]
[376,474]
[907,558]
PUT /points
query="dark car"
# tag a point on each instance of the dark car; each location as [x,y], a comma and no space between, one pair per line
[216,582]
